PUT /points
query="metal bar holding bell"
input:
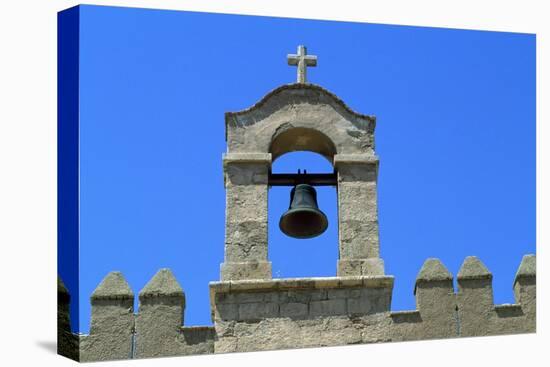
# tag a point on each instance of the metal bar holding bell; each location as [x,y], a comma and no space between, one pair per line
[293,179]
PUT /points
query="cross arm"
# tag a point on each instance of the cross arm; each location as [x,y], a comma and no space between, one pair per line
[292,59]
[311,60]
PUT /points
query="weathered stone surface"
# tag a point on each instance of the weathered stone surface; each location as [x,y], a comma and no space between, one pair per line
[369,301]
[227,311]
[474,298]
[112,307]
[63,301]
[352,196]
[294,310]
[302,60]
[196,340]
[433,270]
[258,311]
[67,342]
[358,239]
[359,267]
[163,285]
[160,317]
[113,286]
[246,270]
[112,321]
[473,268]
[246,241]
[246,216]
[525,288]
[358,214]
[301,312]
[246,158]
[292,118]
[435,299]
[269,314]
[245,203]
[328,307]
[241,172]
[305,106]
[285,333]
[356,168]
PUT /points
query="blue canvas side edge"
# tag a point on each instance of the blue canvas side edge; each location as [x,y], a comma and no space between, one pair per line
[68,35]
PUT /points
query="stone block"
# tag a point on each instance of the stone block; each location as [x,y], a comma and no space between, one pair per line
[241,172]
[196,340]
[246,157]
[246,203]
[294,310]
[370,301]
[350,281]
[357,267]
[355,293]
[358,201]
[359,306]
[338,293]
[258,311]
[316,295]
[245,270]
[245,241]
[303,296]
[227,311]
[328,307]
[272,296]
[358,239]
[356,168]
[250,297]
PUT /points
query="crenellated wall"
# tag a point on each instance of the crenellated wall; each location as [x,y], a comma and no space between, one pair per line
[156,330]
[442,313]
[268,314]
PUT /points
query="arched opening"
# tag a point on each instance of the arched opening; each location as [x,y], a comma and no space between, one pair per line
[293,257]
[288,138]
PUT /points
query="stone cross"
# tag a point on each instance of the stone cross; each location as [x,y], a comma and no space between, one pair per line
[303,61]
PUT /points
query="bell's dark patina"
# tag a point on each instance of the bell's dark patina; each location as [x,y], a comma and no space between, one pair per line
[303,219]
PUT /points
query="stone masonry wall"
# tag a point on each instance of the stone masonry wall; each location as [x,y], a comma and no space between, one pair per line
[293,313]
[269,314]
[290,313]
[117,333]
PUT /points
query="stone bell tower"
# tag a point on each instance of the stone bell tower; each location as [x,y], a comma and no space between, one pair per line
[251,311]
[299,117]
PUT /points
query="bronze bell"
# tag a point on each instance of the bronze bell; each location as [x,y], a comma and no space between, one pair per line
[303,219]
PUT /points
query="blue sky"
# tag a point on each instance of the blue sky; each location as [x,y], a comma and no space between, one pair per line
[455,135]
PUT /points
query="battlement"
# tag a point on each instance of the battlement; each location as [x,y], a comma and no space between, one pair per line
[117,333]
[269,314]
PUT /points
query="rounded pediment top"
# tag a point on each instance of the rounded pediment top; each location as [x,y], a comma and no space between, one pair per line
[294,92]
[300,117]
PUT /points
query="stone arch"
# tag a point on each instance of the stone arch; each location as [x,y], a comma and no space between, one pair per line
[303,106]
[288,139]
